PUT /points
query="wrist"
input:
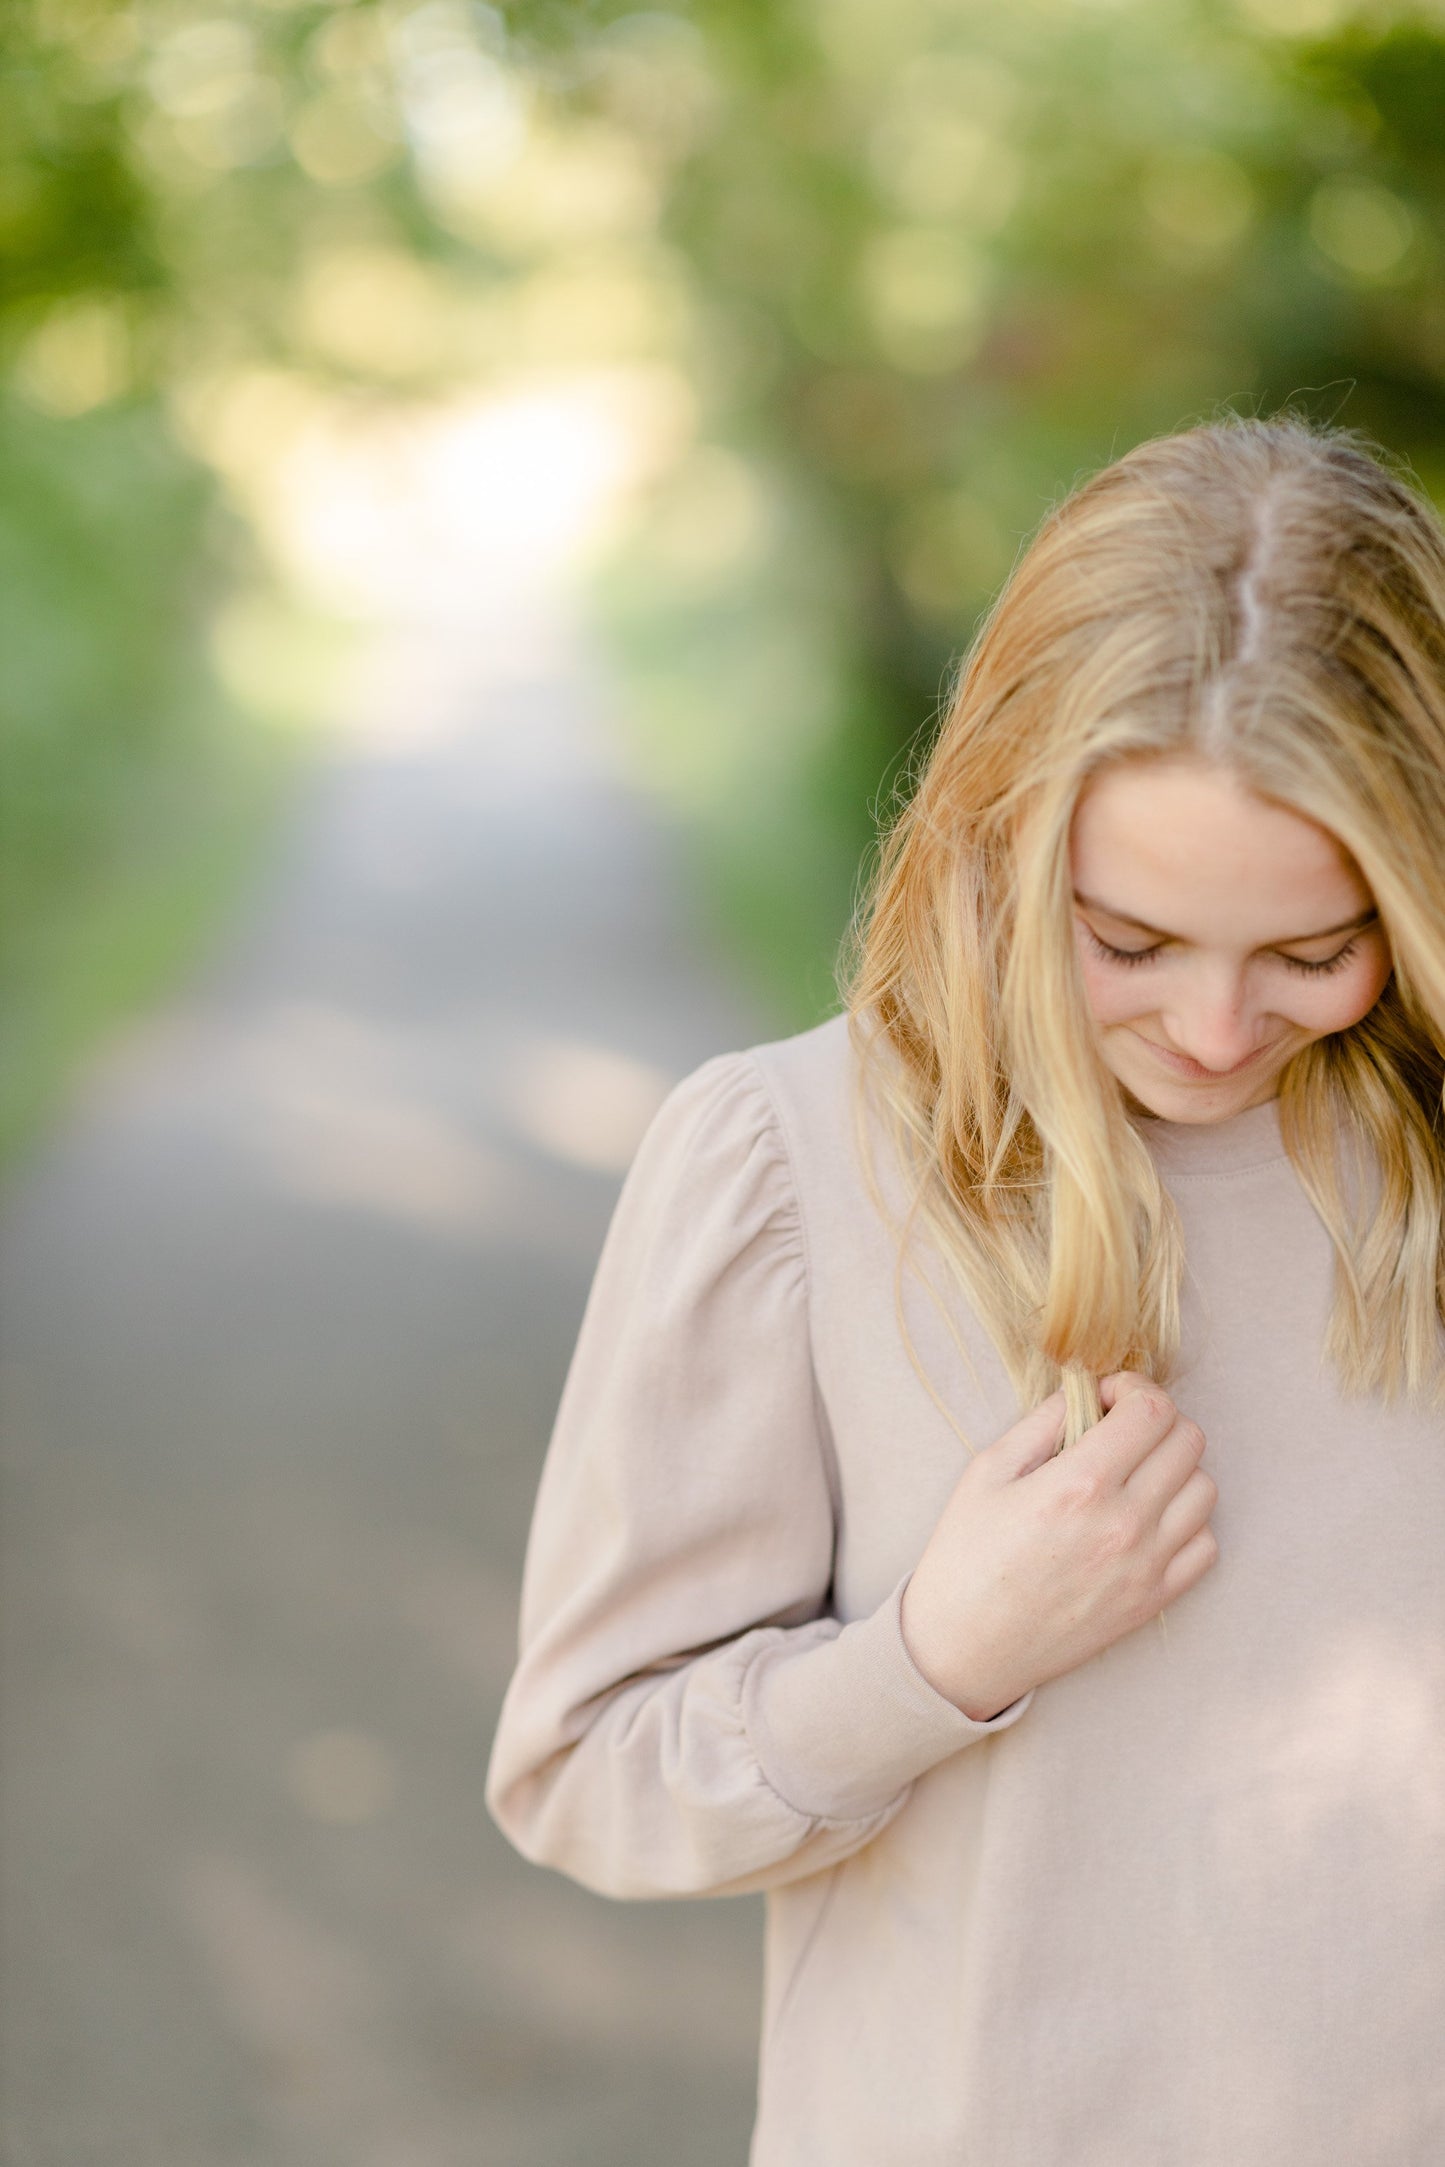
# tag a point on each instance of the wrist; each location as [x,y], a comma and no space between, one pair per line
[984,1711]
[974,1697]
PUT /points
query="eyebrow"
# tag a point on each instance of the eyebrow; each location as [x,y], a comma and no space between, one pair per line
[1289,940]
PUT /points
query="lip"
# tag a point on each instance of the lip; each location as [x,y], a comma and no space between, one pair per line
[1180,1064]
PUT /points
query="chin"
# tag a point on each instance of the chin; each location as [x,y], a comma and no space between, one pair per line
[1183,1108]
[1183,1100]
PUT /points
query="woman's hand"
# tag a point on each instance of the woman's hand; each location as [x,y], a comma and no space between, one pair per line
[1041,1559]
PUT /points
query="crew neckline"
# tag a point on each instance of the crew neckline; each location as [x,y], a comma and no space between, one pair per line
[1216,1147]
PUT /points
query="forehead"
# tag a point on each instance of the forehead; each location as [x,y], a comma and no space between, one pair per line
[1191,849]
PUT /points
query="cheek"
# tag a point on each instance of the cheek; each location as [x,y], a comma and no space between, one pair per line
[1114,993]
[1334,1004]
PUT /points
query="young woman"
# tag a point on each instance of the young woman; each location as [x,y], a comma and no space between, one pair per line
[998,1500]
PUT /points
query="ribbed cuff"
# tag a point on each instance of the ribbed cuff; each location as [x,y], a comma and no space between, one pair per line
[842,1727]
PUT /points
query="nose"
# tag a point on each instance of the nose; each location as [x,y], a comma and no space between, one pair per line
[1213,1023]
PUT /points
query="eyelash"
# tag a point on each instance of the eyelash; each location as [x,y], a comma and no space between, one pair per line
[1131,956]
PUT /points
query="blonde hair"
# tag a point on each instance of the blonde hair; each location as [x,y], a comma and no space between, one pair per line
[1268,595]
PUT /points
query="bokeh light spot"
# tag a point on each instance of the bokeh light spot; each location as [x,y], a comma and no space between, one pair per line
[1200,205]
[924,290]
[79,358]
[1362,229]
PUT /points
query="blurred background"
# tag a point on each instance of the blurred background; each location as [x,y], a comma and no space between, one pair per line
[489,499]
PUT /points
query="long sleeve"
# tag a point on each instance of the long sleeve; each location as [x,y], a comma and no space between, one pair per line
[686,1717]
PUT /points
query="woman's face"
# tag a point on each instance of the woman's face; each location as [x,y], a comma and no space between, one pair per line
[1218,933]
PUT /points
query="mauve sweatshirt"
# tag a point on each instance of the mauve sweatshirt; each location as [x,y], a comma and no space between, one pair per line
[1183,1907]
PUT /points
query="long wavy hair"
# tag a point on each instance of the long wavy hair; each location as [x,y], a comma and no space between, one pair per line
[1267,595]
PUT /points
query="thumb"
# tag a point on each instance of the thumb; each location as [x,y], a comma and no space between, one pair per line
[1031,1443]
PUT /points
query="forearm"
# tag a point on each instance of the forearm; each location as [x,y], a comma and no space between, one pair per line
[758,1763]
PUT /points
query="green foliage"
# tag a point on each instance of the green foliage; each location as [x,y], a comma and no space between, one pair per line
[100,591]
[160,213]
[946,260]
[912,268]
[132,792]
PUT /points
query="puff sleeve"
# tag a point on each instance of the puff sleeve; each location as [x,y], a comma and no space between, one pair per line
[686,1717]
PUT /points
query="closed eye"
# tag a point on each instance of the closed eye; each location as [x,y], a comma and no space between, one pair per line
[1131,956]
[1322,970]
[1120,955]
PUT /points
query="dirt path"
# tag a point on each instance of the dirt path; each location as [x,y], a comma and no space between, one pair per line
[287,1304]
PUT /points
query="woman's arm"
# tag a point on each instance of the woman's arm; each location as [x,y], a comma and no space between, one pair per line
[685,1717]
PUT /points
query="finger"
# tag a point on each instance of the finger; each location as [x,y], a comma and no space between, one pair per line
[1030,1443]
[1187,1512]
[1189,1564]
[1164,1472]
[1119,1384]
[1141,1415]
